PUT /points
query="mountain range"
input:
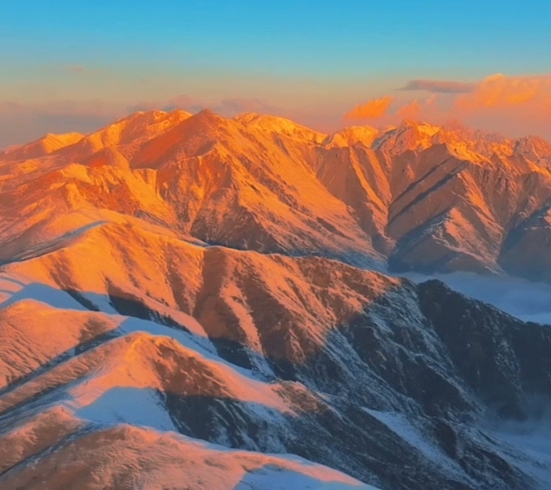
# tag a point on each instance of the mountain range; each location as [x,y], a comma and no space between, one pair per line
[190,301]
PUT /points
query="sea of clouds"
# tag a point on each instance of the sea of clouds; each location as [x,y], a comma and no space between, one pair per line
[529,301]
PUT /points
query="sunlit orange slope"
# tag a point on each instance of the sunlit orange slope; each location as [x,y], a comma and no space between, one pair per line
[192,274]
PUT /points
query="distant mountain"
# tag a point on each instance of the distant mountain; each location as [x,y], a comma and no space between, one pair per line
[188,301]
[423,198]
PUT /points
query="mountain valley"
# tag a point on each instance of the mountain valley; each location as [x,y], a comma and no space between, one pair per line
[192,301]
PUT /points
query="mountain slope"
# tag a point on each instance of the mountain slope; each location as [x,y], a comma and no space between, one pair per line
[129,457]
[425,198]
[198,295]
[266,353]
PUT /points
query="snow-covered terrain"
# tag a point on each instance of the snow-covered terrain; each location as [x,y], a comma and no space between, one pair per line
[426,198]
[192,302]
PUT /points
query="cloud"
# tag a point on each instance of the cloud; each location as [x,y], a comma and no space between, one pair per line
[240,105]
[21,123]
[514,106]
[529,301]
[433,109]
[183,102]
[87,71]
[143,106]
[225,107]
[500,91]
[410,111]
[77,69]
[372,109]
[8,106]
[440,86]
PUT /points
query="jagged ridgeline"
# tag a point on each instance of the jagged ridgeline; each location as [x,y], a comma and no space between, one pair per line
[188,301]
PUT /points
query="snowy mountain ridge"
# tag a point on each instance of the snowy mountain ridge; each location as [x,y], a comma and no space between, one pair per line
[417,197]
[188,301]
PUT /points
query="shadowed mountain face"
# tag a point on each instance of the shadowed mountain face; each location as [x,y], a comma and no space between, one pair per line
[182,305]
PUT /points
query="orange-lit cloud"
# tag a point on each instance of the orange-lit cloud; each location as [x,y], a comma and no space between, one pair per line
[515,106]
[512,105]
[372,109]
[440,86]
[501,91]
[410,111]
[430,109]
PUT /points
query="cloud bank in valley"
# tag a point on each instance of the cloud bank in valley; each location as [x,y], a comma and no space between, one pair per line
[529,301]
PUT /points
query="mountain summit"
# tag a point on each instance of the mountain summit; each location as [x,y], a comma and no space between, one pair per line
[189,302]
[418,197]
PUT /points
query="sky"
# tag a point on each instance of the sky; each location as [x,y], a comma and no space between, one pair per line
[75,66]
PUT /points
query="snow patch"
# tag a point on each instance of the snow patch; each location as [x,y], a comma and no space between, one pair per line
[12,291]
[397,423]
[141,407]
[275,478]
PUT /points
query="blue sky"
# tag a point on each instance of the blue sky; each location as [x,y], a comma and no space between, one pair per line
[321,39]
[295,55]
